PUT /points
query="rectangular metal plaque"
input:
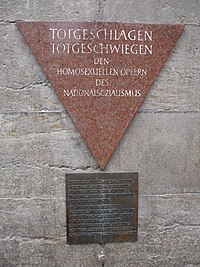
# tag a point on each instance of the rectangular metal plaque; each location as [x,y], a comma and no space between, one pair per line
[102,207]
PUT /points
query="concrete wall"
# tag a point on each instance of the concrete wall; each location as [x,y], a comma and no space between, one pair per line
[39,144]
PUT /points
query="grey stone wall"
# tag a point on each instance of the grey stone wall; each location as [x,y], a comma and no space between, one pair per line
[39,144]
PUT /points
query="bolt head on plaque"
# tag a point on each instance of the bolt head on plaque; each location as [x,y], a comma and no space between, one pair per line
[101,72]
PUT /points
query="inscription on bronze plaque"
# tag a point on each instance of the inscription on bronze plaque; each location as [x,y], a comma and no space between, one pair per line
[102,207]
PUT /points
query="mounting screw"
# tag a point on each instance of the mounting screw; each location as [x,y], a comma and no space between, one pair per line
[102,258]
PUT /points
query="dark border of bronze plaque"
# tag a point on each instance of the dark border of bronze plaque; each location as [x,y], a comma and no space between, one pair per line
[102,207]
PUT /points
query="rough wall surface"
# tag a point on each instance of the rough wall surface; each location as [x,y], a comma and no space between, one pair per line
[39,144]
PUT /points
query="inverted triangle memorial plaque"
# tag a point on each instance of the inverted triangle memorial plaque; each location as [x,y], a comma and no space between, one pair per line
[101,72]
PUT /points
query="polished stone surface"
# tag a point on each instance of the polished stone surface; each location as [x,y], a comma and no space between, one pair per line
[101,72]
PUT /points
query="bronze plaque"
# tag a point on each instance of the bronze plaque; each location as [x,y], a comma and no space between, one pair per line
[101,72]
[102,207]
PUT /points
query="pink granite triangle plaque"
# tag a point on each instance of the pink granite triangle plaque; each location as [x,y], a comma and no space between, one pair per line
[101,72]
